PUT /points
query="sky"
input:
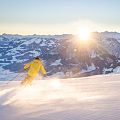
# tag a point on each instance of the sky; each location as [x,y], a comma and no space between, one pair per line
[58,16]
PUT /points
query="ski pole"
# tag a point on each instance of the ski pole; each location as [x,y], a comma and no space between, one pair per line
[15,76]
[11,80]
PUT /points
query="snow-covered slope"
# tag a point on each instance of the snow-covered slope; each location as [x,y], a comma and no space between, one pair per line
[90,98]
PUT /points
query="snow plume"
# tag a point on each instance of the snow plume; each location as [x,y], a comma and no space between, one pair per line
[47,91]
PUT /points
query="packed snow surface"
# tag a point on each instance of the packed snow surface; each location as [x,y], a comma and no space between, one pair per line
[89,98]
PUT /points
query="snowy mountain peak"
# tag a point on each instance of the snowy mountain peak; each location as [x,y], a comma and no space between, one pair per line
[61,53]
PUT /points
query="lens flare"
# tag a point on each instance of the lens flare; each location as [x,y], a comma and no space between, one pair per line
[84,34]
[56,84]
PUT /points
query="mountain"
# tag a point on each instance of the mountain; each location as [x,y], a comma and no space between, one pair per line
[62,55]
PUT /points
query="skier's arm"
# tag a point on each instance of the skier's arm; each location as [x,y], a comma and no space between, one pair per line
[27,66]
[43,70]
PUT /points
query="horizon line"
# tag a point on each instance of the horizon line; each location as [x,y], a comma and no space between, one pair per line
[56,33]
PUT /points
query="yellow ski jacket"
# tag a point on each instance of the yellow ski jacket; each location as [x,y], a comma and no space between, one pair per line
[34,67]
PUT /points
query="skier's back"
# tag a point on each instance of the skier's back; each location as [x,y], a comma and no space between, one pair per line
[34,67]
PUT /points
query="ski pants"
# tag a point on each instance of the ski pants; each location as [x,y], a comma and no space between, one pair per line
[28,80]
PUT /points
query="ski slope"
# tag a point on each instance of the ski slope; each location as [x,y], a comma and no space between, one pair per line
[89,98]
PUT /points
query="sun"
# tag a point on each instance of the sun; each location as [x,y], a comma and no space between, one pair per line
[84,34]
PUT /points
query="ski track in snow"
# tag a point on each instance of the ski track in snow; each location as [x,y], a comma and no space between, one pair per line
[89,98]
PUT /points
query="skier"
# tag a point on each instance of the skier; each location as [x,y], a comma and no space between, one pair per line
[34,67]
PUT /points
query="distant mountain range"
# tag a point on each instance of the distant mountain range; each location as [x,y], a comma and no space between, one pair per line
[62,55]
